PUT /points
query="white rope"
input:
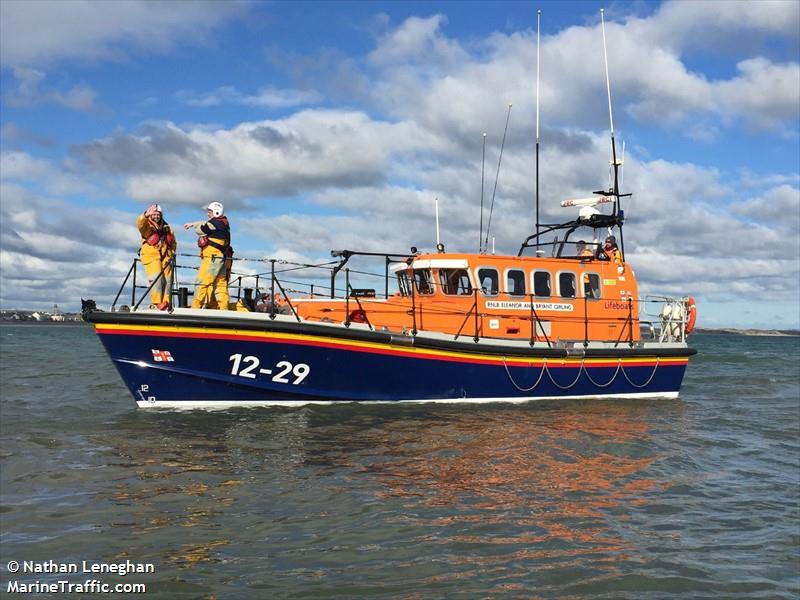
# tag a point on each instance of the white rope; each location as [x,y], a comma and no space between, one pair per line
[613,377]
[571,385]
[646,383]
[541,373]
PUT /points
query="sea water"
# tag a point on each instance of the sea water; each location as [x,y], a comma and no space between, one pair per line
[696,497]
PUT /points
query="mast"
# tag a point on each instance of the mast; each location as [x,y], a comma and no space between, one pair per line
[483,165]
[496,178]
[538,18]
[614,162]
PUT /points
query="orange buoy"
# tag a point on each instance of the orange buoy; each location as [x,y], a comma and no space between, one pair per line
[692,316]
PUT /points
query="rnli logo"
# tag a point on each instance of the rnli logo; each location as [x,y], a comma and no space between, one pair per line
[162,356]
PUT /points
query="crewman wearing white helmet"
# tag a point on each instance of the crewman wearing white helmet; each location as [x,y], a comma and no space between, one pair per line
[156,253]
[214,241]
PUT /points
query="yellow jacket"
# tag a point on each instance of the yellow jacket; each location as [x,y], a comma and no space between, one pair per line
[158,242]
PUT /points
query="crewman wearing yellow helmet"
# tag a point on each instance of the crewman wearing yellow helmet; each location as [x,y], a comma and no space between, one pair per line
[157,253]
[214,239]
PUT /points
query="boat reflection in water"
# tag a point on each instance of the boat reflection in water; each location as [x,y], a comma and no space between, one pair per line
[554,484]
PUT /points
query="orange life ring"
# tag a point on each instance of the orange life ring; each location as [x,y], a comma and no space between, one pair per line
[692,316]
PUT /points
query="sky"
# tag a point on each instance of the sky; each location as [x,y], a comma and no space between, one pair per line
[325,125]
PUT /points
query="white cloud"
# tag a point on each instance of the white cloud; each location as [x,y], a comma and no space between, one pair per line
[45,32]
[780,205]
[266,97]
[23,168]
[309,150]
[722,24]
[29,90]
[766,94]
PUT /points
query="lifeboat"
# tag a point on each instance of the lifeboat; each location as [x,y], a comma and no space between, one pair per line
[561,319]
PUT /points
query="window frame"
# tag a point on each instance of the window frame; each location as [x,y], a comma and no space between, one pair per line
[549,283]
[480,283]
[442,273]
[524,282]
[429,280]
[574,284]
[403,282]
[599,285]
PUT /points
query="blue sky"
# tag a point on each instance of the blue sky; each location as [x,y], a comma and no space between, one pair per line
[335,124]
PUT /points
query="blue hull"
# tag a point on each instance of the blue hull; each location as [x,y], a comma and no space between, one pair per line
[197,366]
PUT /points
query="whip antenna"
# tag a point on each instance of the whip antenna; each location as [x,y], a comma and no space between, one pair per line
[619,214]
[497,176]
[436,207]
[538,16]
[614,162]
[483,164]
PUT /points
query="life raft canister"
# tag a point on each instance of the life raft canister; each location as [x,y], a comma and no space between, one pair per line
[691,317]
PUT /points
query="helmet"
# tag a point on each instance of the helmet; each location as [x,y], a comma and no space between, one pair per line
[611,240]
[152,210]
[216,209]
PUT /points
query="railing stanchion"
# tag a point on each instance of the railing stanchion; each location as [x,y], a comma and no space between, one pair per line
[272,289]
[122,287]
[630,321]
[476,337]
[413,305]
[133,289]
[386,281]
[585,320]
[534,323]
[347,297]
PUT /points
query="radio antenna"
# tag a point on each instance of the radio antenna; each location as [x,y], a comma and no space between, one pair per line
[538,17]
[614,162]
[483,164]
[436,208]
[610,116]
[497,176]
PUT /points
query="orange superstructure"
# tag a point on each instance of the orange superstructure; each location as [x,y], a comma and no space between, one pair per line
[578,298]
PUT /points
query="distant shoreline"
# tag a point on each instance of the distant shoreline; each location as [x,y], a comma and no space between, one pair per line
[750,332]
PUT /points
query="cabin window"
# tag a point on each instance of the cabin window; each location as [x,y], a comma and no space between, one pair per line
[424,281]
[489,281]
[403,283]
[455,282]
[541,284]
[566,284]
[591,285]
[515,282]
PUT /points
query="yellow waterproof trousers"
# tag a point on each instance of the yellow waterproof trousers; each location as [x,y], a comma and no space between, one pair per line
[154,263]
[210,276]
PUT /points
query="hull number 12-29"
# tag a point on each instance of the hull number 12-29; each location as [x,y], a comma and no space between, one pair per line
[248,366]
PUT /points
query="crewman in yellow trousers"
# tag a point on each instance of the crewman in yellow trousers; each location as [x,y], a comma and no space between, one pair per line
[219,295]
[214,239]
[157,252]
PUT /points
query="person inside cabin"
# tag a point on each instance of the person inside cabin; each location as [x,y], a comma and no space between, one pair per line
[157,252]
[611,249]
[582,250]
[214,239]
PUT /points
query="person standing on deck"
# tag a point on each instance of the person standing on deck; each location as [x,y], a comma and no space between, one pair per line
[157,253]
[214,239]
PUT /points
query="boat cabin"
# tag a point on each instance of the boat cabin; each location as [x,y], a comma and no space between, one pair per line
[577,293]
